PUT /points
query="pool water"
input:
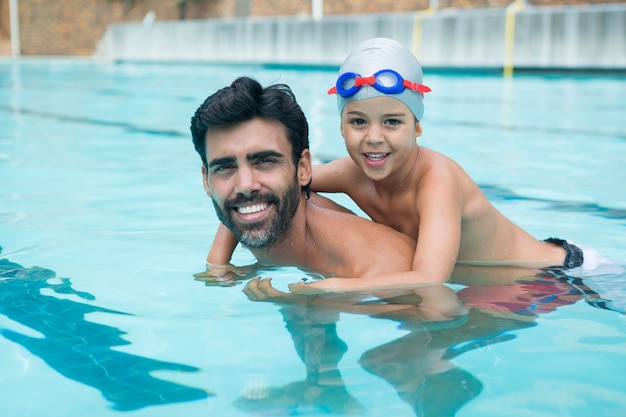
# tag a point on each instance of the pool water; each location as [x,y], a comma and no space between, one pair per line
[104,221]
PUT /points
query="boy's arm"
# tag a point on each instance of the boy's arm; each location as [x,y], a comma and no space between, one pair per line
[332,176]
[435,254]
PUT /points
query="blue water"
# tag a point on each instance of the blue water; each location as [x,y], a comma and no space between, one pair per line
[104,221]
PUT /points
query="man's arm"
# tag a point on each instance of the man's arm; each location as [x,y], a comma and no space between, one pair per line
[219,270]
[223,246]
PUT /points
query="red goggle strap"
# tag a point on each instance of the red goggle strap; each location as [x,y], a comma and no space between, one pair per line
[420,88]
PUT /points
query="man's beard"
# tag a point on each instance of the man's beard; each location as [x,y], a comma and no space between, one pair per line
[266,233]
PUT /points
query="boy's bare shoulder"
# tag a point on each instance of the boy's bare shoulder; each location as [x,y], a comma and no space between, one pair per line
[439,170]
[437,160]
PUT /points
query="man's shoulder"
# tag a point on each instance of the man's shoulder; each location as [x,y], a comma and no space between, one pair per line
[317,201]
[358,246]
[330,218]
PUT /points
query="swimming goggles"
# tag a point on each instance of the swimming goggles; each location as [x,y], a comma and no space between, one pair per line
[386,81]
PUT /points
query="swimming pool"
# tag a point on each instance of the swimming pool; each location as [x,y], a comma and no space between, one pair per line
[103,221]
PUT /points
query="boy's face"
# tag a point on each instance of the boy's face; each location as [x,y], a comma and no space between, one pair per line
[252,179]
[379,134]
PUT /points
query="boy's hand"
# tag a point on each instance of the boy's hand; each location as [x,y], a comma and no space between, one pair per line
[261,289]
[304,288]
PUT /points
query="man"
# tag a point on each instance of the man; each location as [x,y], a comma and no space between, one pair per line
[253,143]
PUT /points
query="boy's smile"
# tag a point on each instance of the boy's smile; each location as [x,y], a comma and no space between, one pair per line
[375,159]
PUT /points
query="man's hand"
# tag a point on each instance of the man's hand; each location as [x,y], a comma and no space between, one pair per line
[225,275]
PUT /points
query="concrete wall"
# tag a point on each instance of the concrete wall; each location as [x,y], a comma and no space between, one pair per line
[577,37]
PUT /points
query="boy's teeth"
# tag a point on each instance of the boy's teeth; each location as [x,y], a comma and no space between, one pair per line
[375,155]
[252,209]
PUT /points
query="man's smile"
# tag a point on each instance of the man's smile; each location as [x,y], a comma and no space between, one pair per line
[252,213]
[253,208]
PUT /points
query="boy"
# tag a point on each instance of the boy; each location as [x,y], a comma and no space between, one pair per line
[413,189]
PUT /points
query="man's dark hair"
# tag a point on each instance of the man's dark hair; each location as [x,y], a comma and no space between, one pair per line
[244,100]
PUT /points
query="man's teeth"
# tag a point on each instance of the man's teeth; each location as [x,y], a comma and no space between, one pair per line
[375,156]
[252,209]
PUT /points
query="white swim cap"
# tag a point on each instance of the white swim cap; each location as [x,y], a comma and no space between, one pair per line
[381,67]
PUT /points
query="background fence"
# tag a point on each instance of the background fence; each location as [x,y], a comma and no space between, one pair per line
[575,37]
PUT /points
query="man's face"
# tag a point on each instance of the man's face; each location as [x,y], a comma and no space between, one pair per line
[252,180]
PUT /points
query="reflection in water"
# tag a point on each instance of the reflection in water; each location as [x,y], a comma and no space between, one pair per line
[315,339]
[441,323]
[81,350]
